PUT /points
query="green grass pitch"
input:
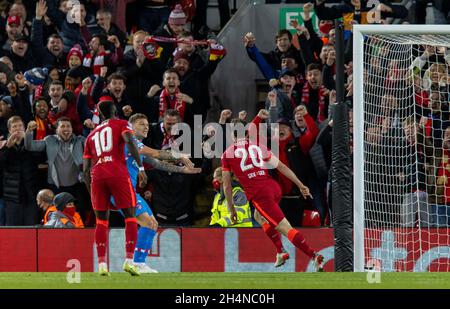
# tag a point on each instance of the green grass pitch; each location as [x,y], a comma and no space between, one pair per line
[226,281]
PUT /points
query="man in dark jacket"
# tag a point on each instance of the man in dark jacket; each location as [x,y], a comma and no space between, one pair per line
[19,177]
[140,73]
[20,55]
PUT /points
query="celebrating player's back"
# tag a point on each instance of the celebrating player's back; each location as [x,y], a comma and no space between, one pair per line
[105,147]
[104,163]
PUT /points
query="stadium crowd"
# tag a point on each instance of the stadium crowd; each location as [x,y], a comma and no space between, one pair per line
[60,58]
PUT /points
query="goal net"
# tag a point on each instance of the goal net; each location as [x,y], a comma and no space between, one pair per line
[402,147]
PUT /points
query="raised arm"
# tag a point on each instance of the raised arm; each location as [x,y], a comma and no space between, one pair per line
[29,142]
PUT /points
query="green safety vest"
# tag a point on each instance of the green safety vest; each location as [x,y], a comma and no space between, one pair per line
[221,216]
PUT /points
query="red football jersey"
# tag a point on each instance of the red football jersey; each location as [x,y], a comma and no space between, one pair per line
[247,162]
[105,147]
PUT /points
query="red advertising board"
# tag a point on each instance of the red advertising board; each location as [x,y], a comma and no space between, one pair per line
[219,250]
[57,246]
[18,250]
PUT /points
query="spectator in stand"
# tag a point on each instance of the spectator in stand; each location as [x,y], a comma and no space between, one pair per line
[44,126]
[269,63]
[67,107]
[294,150]
[44,200]
[19,177]
[74,77]
[197,56]
[171,97]
[65,215]
[283,96]
[194,81]
[52,54]
[21,99]
[69,21]
[115,90]
[99,55]
[19,54]
[105,26]
[160,136]
[118,10]
[14,28]
[141,73]
[172,195]
[65,160]
[75,57]
[171,29]
[314,94]
[6,112]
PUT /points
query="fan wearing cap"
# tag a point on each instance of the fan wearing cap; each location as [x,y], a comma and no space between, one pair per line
[173,28]
[14,28]
[65,215]
[20,55]
[282,98]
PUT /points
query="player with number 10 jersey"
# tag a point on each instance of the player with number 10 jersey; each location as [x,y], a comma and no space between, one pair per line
[104,146]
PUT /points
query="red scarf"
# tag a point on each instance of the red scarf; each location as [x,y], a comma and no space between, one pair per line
[99,62]
[166,101]
[305,100]
[43,128]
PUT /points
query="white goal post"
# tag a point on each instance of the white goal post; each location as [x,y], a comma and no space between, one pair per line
[389,172]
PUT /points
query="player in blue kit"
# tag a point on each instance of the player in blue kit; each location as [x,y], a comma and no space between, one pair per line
[144,215]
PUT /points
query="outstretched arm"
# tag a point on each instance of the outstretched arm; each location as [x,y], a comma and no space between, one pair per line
[170,168]
[165,156]
[287,172]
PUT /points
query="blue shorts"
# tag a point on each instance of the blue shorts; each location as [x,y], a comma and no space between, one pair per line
[141,206]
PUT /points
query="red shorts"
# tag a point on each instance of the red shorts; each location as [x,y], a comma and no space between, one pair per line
[267,203]
[120,188]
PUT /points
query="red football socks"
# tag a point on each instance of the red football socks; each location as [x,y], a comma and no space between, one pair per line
[274,236]
[131,230]
[299,241]
[101,239]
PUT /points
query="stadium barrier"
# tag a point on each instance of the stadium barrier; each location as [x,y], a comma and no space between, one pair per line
[206,250]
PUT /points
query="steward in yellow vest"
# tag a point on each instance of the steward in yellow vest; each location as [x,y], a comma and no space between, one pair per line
[220,215]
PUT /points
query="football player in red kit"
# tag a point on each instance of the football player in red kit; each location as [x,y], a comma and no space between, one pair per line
[106,175]
[250,163]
